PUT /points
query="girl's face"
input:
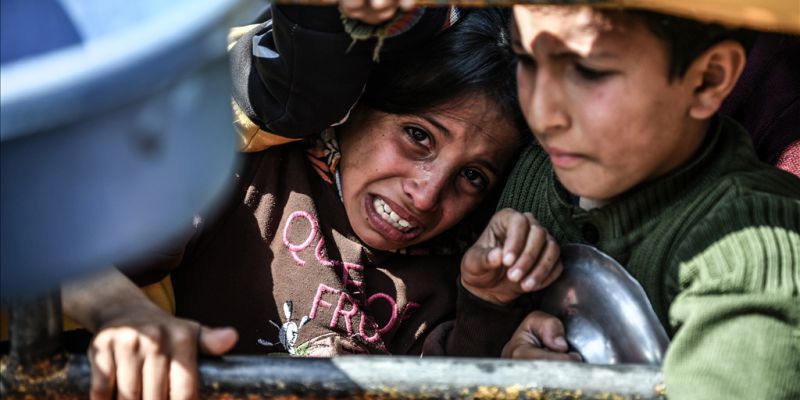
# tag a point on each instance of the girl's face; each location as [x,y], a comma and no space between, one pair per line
[408,178]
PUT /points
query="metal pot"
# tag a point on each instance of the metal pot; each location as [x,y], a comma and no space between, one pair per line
[606,313]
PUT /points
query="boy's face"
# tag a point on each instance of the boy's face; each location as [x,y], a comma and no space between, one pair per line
[408,178]
[596,94]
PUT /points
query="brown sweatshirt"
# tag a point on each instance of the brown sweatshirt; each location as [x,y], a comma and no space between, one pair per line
[282,265]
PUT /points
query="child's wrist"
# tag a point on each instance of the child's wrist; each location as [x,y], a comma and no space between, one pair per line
[484,295]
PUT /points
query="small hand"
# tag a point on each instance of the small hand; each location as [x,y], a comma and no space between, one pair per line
[139,348]
[373,12]
[514,255]
[152,355]
[540,336]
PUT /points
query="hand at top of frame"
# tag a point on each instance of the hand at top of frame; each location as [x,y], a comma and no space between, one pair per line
[374,12]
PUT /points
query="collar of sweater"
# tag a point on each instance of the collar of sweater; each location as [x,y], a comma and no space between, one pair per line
[638,205]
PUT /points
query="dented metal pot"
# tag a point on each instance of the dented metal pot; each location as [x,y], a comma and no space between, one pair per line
[606,313]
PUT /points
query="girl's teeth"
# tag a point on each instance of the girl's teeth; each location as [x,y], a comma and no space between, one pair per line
[390,216]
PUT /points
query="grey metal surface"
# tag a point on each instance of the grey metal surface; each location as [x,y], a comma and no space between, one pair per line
[606,313]
[111,145]
[384,377]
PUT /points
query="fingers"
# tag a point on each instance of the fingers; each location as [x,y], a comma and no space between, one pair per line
[478,259]
[129,364]
[547,267]
[527,352]
[183,376]
[407,4]
[517,229]
[155,371]
[481,273]
[133,360]
[531,254]
[152,360]
[353,8]
[217,341]
[373,11]
[514,255]
[382,5]
[539,336]
[103,368]
[548,329]
[531,239]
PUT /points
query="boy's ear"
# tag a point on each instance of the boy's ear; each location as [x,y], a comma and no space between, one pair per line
[714,74]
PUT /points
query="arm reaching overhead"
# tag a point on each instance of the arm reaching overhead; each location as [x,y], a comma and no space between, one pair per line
[299,72]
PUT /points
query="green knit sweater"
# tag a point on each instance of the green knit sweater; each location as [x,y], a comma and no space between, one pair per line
[716,246]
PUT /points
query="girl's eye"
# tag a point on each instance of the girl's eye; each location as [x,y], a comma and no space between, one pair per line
[475,178]
[418,135]
[591,74]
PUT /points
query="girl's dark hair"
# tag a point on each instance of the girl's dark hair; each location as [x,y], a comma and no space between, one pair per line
[471,57]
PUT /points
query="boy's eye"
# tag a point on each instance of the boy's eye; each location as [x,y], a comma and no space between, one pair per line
[417,134]
[591,74]
[475,178]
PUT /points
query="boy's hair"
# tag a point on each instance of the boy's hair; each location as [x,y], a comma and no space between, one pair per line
[687,39]
[472,57]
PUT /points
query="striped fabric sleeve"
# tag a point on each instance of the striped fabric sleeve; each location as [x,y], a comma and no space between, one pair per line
[737,316]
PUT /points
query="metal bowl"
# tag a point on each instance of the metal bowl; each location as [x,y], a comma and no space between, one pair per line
[606,313]
[110,144]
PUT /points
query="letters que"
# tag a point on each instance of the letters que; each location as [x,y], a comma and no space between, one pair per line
[340,303]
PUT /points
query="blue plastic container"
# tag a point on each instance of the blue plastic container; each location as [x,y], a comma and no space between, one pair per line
[114,133]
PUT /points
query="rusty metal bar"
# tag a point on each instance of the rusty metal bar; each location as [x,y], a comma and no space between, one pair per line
[255,377]
[37,368]
[35,355]
[37,328]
